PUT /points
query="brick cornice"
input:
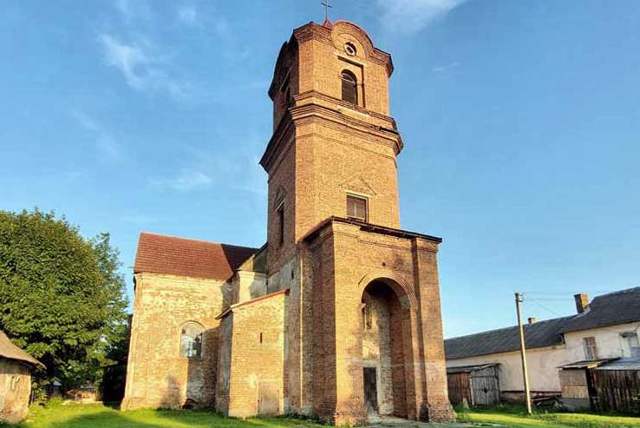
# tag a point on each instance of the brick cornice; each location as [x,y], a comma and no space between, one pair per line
[300,98]
[284,130]
[426,241]
[333,115]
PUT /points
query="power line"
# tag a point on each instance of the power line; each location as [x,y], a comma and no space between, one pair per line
[544,307]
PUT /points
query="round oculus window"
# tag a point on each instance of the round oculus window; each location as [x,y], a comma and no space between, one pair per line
[350,49]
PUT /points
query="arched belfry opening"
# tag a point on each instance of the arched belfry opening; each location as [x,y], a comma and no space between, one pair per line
[385,344]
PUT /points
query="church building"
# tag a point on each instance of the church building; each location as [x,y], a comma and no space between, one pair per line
[338,314]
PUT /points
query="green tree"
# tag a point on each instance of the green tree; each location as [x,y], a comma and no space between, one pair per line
[61,296]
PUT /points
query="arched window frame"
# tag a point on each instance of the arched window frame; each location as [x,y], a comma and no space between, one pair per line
[349,87]
[191,340]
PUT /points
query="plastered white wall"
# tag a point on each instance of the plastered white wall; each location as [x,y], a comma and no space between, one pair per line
[543,363]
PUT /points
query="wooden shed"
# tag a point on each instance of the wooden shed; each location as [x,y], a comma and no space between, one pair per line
[607,385]
[617,386]
[576,384]
[15,380]
[478,385]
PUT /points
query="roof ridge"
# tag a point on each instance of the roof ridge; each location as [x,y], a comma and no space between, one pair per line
[510,327]
[197,240]
[613,293]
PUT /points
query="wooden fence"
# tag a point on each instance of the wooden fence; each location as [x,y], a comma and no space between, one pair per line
[616,390]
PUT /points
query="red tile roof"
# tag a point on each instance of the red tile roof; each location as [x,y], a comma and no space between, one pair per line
[187,257]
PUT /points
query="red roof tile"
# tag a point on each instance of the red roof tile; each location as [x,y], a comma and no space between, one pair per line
[187,257]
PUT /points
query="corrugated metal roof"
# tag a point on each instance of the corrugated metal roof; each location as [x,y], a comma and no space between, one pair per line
[587,364]
[12,352]
[187,257]
[622,364]
[469,369]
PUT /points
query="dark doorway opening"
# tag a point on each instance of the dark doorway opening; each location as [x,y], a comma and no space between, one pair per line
[384,333]
[371,389]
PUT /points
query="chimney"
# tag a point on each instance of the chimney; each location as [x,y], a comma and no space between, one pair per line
[532,320]
[582,302]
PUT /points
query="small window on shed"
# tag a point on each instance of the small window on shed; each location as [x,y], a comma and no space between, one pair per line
[191,340]
[349,87]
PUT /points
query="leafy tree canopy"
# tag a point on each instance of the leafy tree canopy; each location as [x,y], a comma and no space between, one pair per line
[61,296]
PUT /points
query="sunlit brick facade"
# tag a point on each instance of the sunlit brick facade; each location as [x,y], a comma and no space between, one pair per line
[338,315]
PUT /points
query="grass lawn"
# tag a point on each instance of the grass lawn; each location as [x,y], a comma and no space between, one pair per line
[516,417]
[99,416]
[55,415]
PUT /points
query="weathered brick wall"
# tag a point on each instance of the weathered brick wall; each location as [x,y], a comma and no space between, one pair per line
[345,260]
[319,272]
[428,294]
[288,278]
[376,345]
[281,183]
[323,58]
[15,390]
[249,285]
[255,334]
[333,161]
[325,147]
[223,371]
[157,375]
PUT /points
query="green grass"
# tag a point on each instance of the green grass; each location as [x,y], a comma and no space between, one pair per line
[517,418]
[98,416]
[56,415]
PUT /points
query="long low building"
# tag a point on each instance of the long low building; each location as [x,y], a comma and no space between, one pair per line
[608,327]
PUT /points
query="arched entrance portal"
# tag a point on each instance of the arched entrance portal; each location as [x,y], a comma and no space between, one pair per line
[384,318]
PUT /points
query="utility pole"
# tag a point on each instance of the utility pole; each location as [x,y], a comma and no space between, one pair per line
[523,354]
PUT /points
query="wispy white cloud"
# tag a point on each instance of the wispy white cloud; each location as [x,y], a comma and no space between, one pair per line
[445,67]
[133,9]
[124,7]
[142,67]
[241,163]
[188,14]
[205,168]
[185,181]
[408,16]
[105,143]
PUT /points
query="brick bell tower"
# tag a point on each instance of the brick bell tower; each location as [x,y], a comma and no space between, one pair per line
[364,327]
[333,135]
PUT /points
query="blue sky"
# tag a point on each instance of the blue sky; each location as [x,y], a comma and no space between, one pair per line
[521,123]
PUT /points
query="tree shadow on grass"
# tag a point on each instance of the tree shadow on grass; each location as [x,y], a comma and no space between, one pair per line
[210,418]
[104,419]
[108,418]
[200,418]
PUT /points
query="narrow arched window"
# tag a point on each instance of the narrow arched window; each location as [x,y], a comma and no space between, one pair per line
[349,87]
[191,340]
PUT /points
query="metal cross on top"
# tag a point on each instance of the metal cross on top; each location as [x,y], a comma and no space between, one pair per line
[327,6]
